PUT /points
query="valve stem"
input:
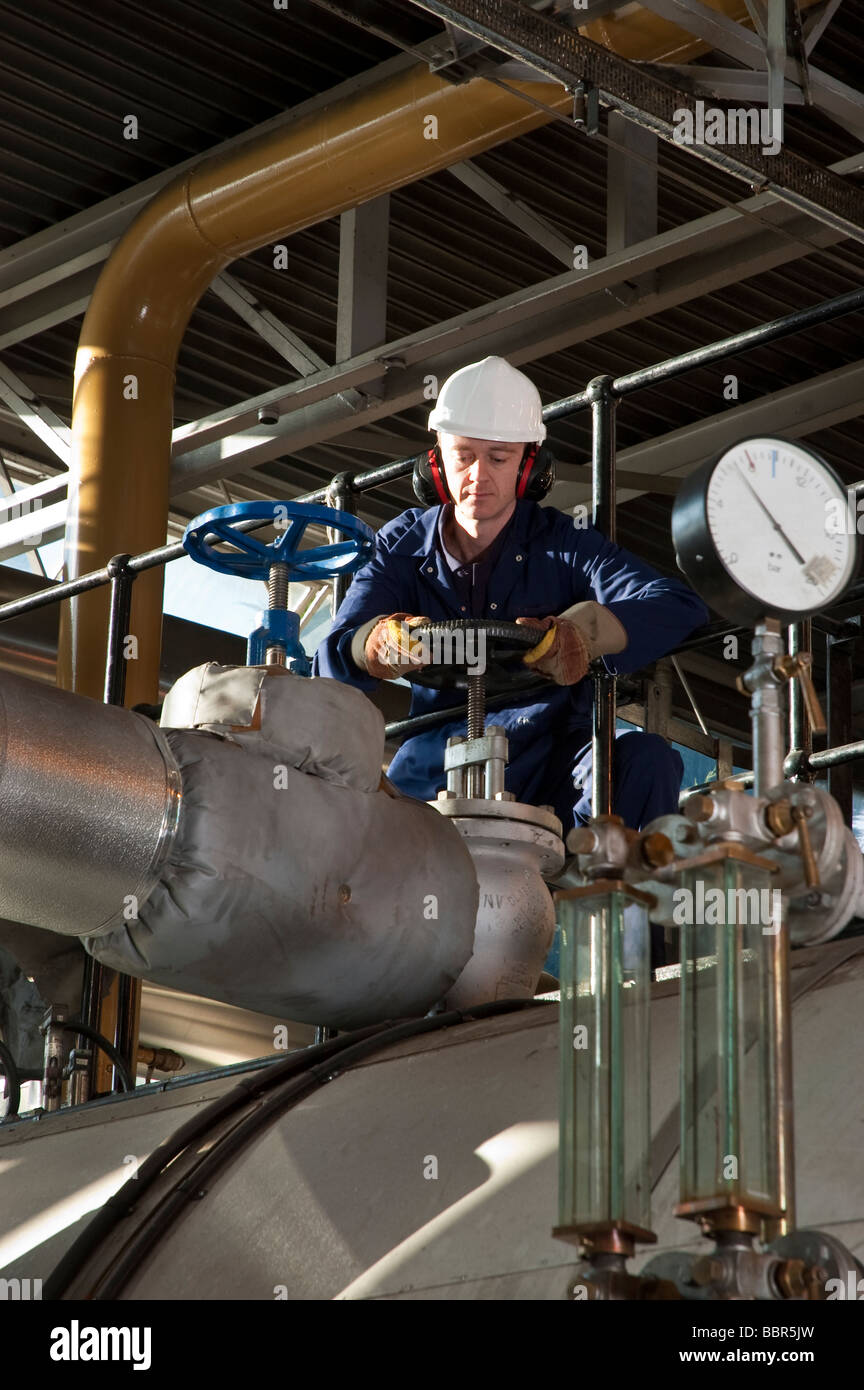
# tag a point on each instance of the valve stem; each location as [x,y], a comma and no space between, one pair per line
[277,596]
[476,727]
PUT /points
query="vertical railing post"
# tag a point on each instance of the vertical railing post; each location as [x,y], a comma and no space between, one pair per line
[115,1012]
[839,718]
[799,639]
[341,494]
[603,407]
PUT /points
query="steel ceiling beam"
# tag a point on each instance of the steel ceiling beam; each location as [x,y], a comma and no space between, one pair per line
[33,493]
[32,530]
[728,84]
[756,10]
[31,458]
[774,35]
[245,304]
[691,261]
[817,22]
[796,411]
[794,42]
[33,558]
[837,100]
[514,210]
[35,414]
[562,53]
[361,304]
[54,303]
[631,189]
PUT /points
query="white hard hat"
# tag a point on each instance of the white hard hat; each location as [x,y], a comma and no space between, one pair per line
[490,400]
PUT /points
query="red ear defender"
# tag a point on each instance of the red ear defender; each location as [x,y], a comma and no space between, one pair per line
[436,473]
[429,480]
[523,477]
[536,473]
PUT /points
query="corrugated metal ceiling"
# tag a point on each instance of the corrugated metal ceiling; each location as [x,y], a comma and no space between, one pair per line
[193,73]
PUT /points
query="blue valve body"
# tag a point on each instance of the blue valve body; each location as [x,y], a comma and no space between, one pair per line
[253,559]
[278,627]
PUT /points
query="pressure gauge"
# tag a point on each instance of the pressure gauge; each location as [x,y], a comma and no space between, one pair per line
[766,530]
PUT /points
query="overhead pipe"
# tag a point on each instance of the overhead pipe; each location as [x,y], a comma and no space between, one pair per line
[405,127]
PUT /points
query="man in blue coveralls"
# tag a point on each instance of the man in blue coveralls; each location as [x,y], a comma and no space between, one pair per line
[486,549]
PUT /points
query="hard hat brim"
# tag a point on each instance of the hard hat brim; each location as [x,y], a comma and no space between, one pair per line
[500,437]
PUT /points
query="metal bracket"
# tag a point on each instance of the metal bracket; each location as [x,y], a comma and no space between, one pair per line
[586,107]
[460,56]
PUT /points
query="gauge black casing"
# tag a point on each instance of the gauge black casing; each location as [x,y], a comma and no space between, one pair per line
[697,557]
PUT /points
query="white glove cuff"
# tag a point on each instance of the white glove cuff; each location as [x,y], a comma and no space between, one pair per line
[359,640]
[601,630]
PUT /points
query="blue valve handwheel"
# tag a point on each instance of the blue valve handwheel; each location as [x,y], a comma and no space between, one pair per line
[253,559]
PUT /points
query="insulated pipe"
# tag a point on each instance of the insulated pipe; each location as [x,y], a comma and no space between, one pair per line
[305,900]
[90,799]
[254,859]
[405,127]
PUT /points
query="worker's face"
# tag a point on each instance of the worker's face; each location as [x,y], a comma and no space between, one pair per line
[481,474]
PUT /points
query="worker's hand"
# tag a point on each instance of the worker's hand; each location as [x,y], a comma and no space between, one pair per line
[561,653]
[389,651]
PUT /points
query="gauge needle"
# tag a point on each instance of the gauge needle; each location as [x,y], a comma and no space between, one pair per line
[776,524]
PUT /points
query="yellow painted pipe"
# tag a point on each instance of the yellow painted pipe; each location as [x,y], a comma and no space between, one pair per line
[375,140]
[366,144]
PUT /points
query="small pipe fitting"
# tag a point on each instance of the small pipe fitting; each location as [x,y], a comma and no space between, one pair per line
[699,808]
[582,840]
[657,850]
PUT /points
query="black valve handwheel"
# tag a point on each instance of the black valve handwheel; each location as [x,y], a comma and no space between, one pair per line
[460,647]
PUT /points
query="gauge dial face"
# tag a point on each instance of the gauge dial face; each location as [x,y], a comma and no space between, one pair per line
[778,519]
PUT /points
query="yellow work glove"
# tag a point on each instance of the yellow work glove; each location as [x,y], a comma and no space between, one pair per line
[388,651]
[561,653]
[573,640]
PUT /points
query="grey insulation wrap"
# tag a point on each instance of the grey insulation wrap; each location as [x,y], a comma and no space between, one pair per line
[298,897]
[89,802]
[317,725]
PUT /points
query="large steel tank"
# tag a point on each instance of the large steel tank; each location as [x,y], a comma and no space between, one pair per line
[425,1171]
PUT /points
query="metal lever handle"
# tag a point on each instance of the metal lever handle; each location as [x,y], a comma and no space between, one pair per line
[811,868]
[808,690]
[799,665]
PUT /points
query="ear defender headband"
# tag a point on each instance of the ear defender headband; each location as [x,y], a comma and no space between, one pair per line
[533,481]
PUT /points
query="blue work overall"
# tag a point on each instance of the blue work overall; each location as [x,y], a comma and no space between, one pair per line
[545,563]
